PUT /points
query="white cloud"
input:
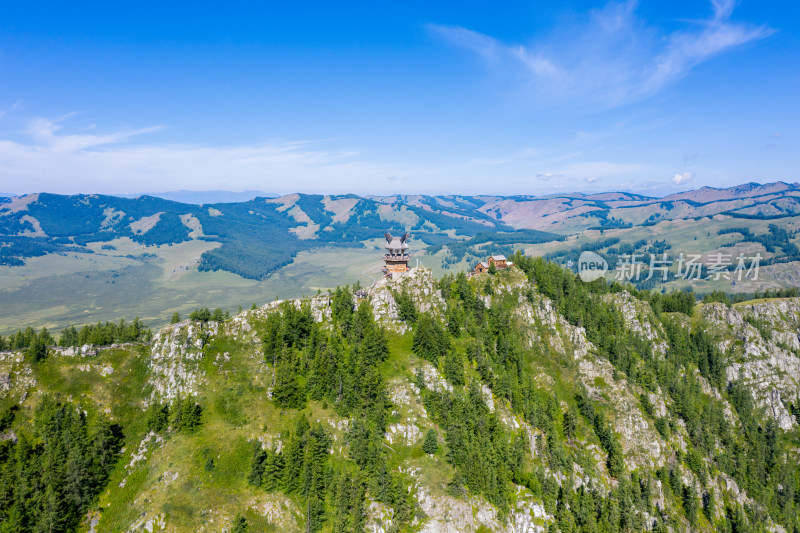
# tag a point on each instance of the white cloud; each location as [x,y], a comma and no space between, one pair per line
[681,178]
[609,58]
[50,156]
[115,162]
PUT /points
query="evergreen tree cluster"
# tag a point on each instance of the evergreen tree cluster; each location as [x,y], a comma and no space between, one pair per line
[729,299]
[168,230]
[35,343]
[487,456]
[99,334]
[302,468]
[430,339]
[50,477]
[340,367]
[181,416]
[104,334]
[776,237]
[202,314]
[483,452]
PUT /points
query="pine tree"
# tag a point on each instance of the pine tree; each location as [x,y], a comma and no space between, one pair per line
[157,416]
[431,443]
[287,392]
[273,470]
[690,503]
[192,416]
[37,351]
[239,525]
[406,310]
[176,421]
[69,337]
[570,424]
[454,368]
[430,340]
[257,464]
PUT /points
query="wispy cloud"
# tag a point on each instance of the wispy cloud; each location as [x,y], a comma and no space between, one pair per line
[48,158]
[45,133]
[611,57]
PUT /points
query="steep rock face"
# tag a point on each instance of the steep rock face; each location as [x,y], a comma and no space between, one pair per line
[450,515]
[16,375]
[241,327]
[640,320]
[174,359]
[763,343]
[641,443]
[549,329]
[447,514]
[419,283]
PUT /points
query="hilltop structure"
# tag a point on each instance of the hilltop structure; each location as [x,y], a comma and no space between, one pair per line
[499,261]
[396,257]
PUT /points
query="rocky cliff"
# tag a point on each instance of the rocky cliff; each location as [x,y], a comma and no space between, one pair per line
[173,482]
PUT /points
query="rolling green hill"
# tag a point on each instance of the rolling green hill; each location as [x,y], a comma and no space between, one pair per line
[521,401]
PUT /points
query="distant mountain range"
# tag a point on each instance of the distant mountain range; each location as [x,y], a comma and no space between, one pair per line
[262,234]
[205,197]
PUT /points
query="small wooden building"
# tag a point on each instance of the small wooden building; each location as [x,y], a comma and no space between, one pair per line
[499,261]
[482,267]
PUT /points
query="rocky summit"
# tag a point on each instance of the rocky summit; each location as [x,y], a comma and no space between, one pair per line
[523,400]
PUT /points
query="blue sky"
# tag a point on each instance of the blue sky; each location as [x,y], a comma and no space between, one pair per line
[398,97]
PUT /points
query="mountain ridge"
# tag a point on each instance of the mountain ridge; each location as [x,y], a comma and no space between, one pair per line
[603,447]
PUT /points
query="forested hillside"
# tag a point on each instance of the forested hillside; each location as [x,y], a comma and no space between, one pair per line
[257,237]
[524,400]
[67,260]
[262,235]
